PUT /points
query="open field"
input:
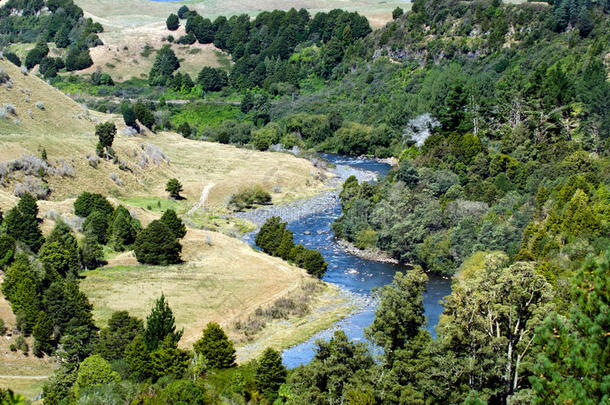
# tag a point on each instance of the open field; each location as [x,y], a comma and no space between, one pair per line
[66,130]
[142,12]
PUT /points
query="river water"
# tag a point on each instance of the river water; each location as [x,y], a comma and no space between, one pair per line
[310,222]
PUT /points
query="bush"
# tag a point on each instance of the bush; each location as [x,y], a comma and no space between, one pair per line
[247,198]
[173,187]
[174,223]
[21,344]
[13,58]
[215,347]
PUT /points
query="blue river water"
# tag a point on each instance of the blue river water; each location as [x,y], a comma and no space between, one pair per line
[355,275]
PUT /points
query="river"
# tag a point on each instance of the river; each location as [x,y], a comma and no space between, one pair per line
[310,221]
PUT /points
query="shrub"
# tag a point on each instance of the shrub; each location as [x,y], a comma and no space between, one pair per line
[174,223]
[13,58]
[2,327]
[40,105]
[4,77]
[21,344]
[247,198]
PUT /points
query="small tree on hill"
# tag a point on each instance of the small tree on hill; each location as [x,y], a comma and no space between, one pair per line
[97,224]
[169,360]
[129,116]
[166,63]
[174,223]
[7,250]
[172,22]
[270,373]
[160,324]
[397,12]
[215,347]
[94,370]
[105,133]
[122,329]
[183,12]
[173,187]
[43,334]
[138,358]
[185,129]
[157,244]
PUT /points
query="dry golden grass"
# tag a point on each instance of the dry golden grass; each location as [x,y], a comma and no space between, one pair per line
[219,283]
[121,55]
[65,131]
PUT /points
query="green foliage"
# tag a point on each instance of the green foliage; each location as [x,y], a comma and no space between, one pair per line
[43,335]
[139,359]
[212,79]
[7,250]
[337,364]
[397,12]
[400,313]
[172,22]
[121,331]
[174,223]
[144,115]
[129,116]
[182,392]
[91,252]
[21,289]
[94,370]
[167,359]
[249,197]
[87,202]
[163,68]
[215,347]
[160,323]
[105,133]
[21,223]
[96,225]
[123,229]
[573,365]
[270,373]
[173,187]
[157,244]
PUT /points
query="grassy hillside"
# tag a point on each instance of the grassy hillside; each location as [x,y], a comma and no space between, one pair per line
[66,130]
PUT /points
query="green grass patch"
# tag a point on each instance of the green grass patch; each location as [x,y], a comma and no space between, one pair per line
[202,114]
[154,204]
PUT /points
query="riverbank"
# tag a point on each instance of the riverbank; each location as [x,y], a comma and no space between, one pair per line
[375,255]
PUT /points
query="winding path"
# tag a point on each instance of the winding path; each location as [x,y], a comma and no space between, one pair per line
[201,202]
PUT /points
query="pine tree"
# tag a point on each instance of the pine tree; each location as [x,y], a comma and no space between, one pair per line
[159,324]
[114,339]
[129,116]
[169,360]
[62,39]
[286,245]
[91,252]
[314,263]
[7,250]
[157,244]
[43,334]
[123,229]
[215,347]
[173,187]
[164,66]
[96,224]
[174,223]
[270,373]
[139,359]
[21,223]
[106,133]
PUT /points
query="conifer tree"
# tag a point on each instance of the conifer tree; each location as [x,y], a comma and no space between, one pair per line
[215,347]
[43,333]
[139,359]
[159,324]
[174,223]
[169,360]
[157,244]
[270,373]
[21,223]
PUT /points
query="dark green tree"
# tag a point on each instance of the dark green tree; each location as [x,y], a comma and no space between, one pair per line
[183,12]
[164,67]
[407,173]
[159,324]
[21,223]
[215,347]
[87,202]
[270,373]
[121,331]
[397,12]
[212,79]
[168,359]
[172,22]
[185,129]
[173,187]
[453,115]
[43,335]
[174,223]
[96,224]
[105,133]
[183,392]
[91,252]
[7,250]
[21,289]
[129,116]
[400,314]
[123,229]
[247,103]
[144,115]
[157,244]
[314,263]
[62,39]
